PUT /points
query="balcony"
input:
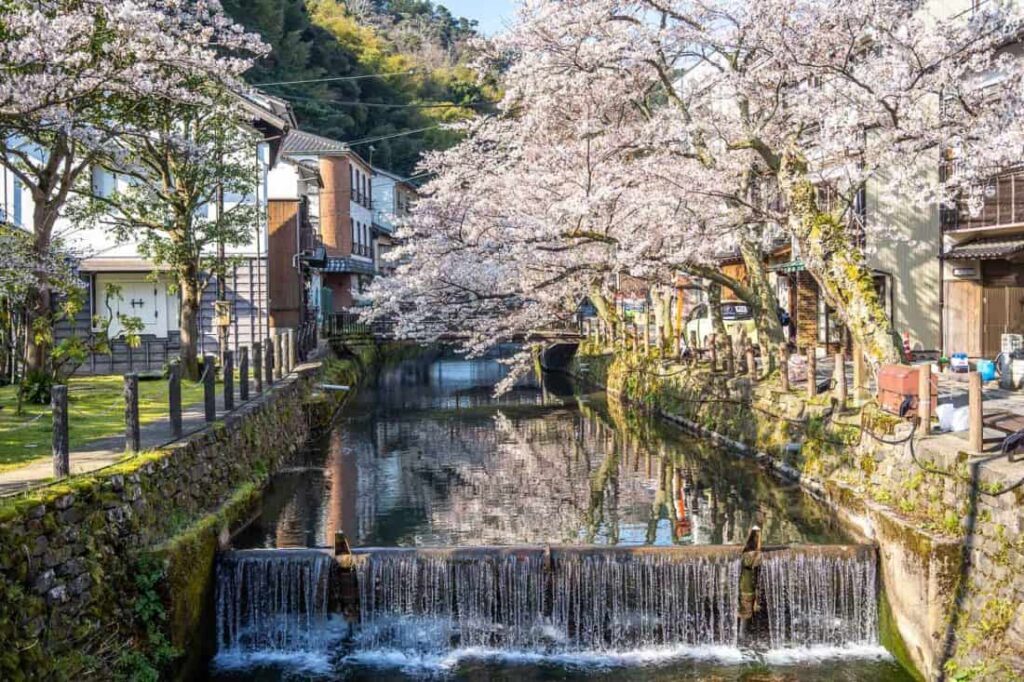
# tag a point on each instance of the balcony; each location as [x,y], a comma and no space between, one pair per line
[1003,206]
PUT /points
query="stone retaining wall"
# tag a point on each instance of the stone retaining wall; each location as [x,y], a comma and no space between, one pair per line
[76,597]
[951,547]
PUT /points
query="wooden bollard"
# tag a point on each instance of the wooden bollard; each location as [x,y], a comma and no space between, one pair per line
[268,361]
[132,433]
[812,374]
[730,356]
[975,440]
[293,350]
[713,348]
[693,342]
[839,373]
[647,335]
[784,367]
[229,380]
[634,340]
[60,448]
[174,398]
[924,399]
[859,371]
[243,374]
[257,366]
[751,363]
[210,387]
[279,356]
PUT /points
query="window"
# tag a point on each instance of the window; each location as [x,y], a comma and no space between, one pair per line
[17,203]
[830,328]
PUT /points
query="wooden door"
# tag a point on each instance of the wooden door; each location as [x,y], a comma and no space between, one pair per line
[1003,314]
[963,318]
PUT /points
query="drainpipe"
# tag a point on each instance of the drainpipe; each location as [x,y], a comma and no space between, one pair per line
[942,300]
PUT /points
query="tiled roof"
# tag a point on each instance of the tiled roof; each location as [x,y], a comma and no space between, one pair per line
[301,142]
[985,249]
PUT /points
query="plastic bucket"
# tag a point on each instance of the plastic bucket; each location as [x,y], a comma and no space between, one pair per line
[987,370]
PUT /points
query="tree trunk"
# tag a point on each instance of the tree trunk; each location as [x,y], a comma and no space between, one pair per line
[840,269]
[715,307]
[191,294]
[765,304]
[38,322]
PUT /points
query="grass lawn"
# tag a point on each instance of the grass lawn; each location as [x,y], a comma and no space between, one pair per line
[95,410]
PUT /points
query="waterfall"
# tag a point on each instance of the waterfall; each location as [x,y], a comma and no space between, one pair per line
[605,601]
[275,600]
[571,602]
[820,600]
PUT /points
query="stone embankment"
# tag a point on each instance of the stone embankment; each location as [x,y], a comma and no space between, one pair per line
[107,575]
[950,532]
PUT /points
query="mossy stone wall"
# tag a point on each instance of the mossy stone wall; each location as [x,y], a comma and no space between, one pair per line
[72,599]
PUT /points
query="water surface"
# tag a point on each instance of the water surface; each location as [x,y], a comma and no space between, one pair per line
[429,457]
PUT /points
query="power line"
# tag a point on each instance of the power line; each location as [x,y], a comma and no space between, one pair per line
[368,140]
[381,105]
[337,78]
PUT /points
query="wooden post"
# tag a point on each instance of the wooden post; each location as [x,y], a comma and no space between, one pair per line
[61,451]
[174,398]
[257,366]
[243,374]
[634,339]
[229,380]
[730,356]
[210,387]
[293,351]
[278,355]
[268,361]
[812,373]
[693,341]
[840,376]
[751,363]
[784,367]
[975,441]
[924,398]
[859,371]
[647,334]
[132,433]
[713,347]
[679,345]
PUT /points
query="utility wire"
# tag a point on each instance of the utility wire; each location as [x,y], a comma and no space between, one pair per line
[337,78]
[368,140]
[382,105]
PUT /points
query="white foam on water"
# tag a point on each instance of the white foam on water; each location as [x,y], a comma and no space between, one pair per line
[813,654]
[646,656]
[305,662]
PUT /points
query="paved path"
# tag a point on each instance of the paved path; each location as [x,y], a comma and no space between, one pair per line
[104,452]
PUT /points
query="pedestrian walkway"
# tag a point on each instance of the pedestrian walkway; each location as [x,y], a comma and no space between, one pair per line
[105,452]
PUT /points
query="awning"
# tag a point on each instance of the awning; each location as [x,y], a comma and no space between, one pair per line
[788,267]
[988,249]
[119,265]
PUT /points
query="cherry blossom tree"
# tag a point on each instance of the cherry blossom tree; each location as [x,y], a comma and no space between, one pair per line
[73,74]
[645,136]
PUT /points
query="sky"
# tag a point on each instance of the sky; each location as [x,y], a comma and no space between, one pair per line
[492,14]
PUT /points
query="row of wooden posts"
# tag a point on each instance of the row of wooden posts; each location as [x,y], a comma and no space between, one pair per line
[604,333]
[278,360]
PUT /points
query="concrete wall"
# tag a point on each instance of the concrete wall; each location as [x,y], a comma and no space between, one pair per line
[910,258]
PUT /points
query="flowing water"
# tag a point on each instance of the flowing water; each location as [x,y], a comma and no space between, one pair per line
[428,458]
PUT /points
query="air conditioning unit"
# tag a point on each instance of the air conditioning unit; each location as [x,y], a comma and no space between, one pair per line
[1012,342]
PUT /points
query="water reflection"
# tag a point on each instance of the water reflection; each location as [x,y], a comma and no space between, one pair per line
[429,457]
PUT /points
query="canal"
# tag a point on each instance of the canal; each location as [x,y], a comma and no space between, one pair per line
[427,457]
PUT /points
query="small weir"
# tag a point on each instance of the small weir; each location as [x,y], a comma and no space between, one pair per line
[564,599]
